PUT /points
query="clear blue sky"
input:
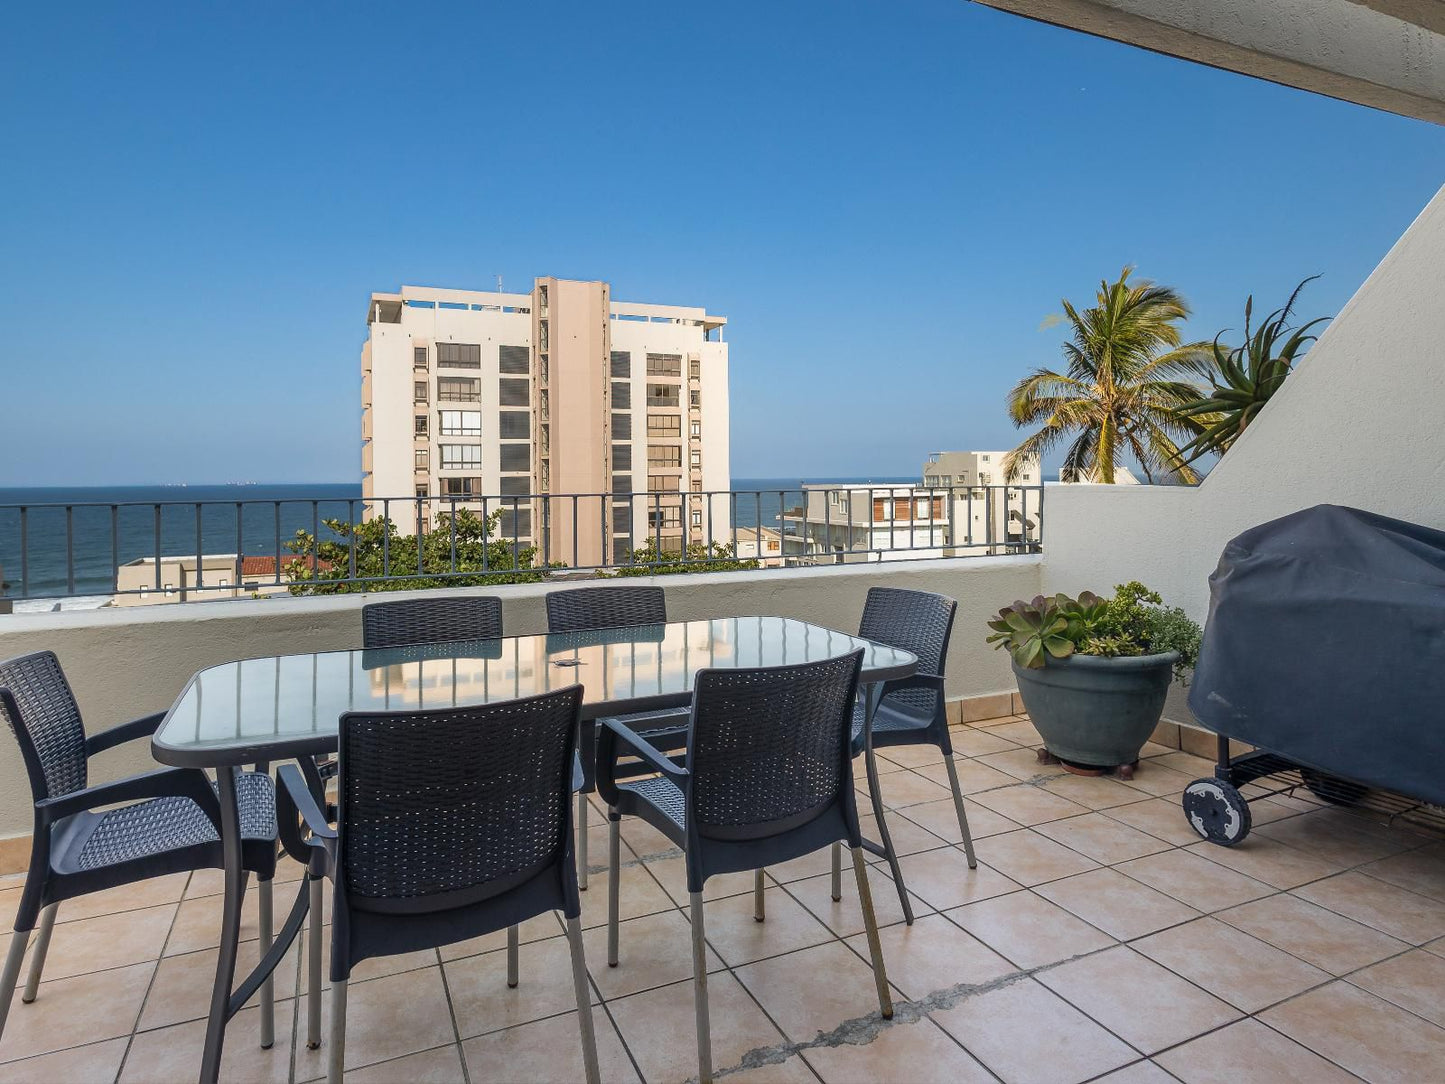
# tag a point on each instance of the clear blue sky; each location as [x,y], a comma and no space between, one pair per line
[885,199]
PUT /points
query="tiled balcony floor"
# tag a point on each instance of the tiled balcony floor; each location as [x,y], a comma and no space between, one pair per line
[1098,939]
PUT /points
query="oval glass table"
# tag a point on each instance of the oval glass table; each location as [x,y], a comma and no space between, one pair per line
[258,711]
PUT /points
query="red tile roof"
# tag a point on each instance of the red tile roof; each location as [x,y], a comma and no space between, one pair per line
[265,567]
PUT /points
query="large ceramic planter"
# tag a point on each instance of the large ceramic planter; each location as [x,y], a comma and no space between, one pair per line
[1093,711]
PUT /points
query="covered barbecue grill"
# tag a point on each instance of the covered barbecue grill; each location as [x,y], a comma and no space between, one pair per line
[1324,649]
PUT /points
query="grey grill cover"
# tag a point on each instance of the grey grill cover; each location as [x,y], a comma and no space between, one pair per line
[1326,644]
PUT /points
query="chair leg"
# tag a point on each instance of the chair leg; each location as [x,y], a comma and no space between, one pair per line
[614,871]
[699,990]
[584,1001]
[581,841]
[512,941]
[11,975]
[871,766]
[313,968]
[870,922]
[268,984]
[759,911]
[336,1056]
[962,815]
[837,891]
[37,957]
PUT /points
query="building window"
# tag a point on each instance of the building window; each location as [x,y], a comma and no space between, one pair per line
[662,425]
[423,492]
[621,364]
[621,519]
[461,423]
[459,356]
[694,369]
[418,391]
[696,458]
[984,458]
[516,487]
[460,487]
[695,398]
[663,483]
[420,422]
[514,392]
[420,458]
[661,455]
[697,517]
[514,425]
[697,485]
[418,357]
[622,426]
[459,389]
[621,395]
[513,359]
[516,457]
[695,429]
[662,395]
[622,457]
[622,484]
[664,364]
[664,517]
[515,523]
[621,551]
[461,457]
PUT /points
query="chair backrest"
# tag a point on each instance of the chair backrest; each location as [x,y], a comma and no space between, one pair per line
[605,608]
[35,699]
[439,809]
[406,621]
[769,748]
[916,621]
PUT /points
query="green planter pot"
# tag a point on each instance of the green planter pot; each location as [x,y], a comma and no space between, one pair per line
[1095,711]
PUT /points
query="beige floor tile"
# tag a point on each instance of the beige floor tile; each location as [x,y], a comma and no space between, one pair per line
[1421,871]
[1102,839]
[1358,1031]
[1206,886]
[1231,964]
[1029,930]
[914,756]
[908,838]
[1021,732]
[1029,858]
[1413,981]
[845,917]
[212,882]
[653,950]
[941,820]
[374,968]
[482,1001]
[812,991]
[1160,817]
[1315,935]
[198,921]
[790,1070]
[1118,905]
[660,1029]
[1247,1050]
[1187,763]
[1152,777]
[174,1053]
[739,938]
[639,892]
[942,879]
[973,776]
[82,1009]
[442,1065]
[972,743]
[1021,764]
[1268,861]
[387,1018]
[538,928]
[182,987]
[1393,910]
[921,1050]
[1028,1035]
[547,1050]
[931,955]
[1141,1072]
[903,789]
[148,893]
[643,839]
[1025,804]
[1146,1005]
[809,865]
[96,1063]
[1346,841]
[114,940]
[1092,792]
[671,874]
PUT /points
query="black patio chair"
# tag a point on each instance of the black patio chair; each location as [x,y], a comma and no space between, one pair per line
[450,824]
[170,824]
[908,711]
[407,621]
[583,609]
[769,778]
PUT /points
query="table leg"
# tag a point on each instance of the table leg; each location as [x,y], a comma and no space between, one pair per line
[235,894]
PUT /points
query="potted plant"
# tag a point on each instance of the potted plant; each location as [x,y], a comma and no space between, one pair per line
[1094,672]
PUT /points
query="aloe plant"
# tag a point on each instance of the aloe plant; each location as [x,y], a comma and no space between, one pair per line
[1247,377]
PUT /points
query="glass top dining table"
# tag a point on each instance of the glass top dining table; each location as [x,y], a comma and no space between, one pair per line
[267,709]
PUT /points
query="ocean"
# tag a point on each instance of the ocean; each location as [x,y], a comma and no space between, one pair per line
[245,518]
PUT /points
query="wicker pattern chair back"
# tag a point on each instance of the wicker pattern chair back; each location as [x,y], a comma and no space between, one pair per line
[406,621]
[769,747]
[605,608]
[36,701]
[915,621]
[440,809]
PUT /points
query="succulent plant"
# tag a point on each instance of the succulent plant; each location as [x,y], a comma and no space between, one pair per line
[1029,629]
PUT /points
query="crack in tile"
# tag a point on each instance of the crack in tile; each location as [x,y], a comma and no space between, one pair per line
[642,860]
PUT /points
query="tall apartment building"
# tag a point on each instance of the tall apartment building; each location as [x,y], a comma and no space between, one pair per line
[517,402]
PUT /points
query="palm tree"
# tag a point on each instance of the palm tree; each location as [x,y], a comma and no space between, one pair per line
[1127,378]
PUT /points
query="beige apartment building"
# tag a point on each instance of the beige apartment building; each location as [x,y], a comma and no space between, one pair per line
[591,425]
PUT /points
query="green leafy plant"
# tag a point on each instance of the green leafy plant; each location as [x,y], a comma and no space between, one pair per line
[697,557]
[1134,621]
[1246,377]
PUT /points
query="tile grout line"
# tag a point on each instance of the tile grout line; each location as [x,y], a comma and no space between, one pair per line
[150,984]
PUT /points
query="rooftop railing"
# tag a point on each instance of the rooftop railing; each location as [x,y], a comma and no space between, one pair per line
[157,551]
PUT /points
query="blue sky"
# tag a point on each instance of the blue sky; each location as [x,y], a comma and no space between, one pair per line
[886,200]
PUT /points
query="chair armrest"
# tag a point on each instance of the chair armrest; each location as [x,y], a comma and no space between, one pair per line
[293,799]
[162,783]
[119,735]
[932,682]
[616,739]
